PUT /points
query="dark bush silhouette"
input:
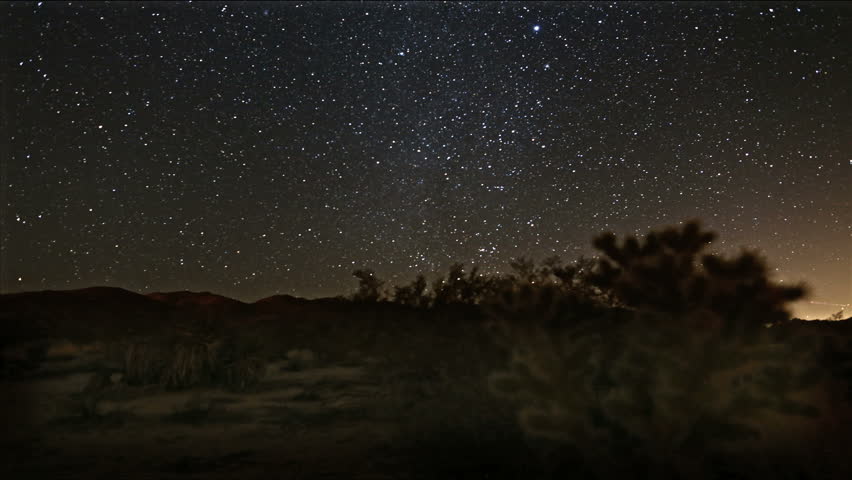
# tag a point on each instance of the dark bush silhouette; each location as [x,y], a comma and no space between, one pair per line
[369,286]
[523,269]
[460,287]
[189,359]
[239,363]
[413,294]
[684,368]
[668,274]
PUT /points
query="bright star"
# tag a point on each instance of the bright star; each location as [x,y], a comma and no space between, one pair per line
[536,28]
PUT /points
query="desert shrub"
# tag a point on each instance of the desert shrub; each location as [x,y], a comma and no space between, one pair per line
[184,361]
[466,288]
[457,287]
[369,286]
[190,363]
[145,361]
[240,364]
[687,367]
[668,274]
[474,288]
[413,294]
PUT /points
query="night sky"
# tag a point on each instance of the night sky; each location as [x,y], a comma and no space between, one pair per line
[260,148]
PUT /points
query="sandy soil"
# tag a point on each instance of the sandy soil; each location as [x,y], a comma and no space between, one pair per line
[359,420]
[363,419]
[317,422]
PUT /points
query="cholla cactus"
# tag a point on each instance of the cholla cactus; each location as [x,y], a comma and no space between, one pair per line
[686,367]
[557,346]
[668,274]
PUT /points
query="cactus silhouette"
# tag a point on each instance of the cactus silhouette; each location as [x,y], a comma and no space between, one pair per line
[668,274]
[683,368]
[413,294]
[461,287]
[369,286]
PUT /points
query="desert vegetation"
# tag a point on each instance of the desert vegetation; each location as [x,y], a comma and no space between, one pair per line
[653,358]
[187,359]
[670,377]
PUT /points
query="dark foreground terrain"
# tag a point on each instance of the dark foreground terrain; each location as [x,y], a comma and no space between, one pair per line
[318,389]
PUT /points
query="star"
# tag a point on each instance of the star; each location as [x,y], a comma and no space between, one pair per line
[382,137]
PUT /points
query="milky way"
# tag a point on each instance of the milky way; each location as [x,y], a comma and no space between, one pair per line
[262,148]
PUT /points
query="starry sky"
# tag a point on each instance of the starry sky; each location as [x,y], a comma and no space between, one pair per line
[259,148]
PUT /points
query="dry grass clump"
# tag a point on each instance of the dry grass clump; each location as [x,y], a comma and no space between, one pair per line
[145,361]
[240,364]
[185,361]
[191,364]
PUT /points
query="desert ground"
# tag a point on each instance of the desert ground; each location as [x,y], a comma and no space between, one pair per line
[345,391]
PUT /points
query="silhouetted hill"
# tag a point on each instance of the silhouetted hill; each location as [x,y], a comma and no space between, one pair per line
[185,297]
[288,304]
[84,297]
[86,312]
[278,303]
[98,301]
[204,303]
[334,324]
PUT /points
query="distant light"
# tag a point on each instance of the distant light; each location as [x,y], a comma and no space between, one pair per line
[536,28]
